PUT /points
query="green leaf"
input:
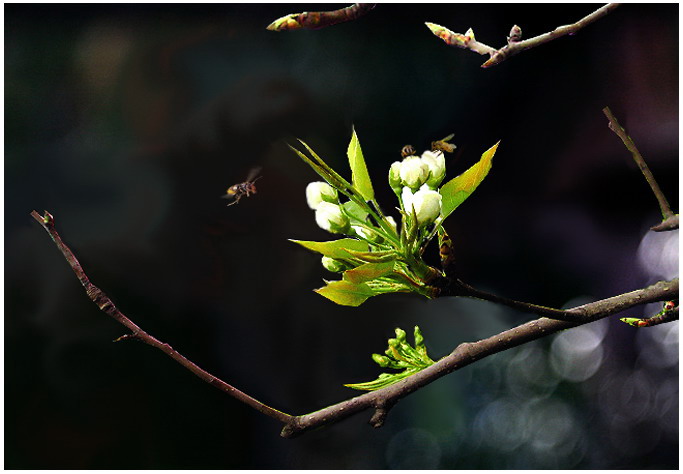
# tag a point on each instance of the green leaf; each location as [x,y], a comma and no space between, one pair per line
[368,271]
[374,257]
[458,189]
[399,354]
[635,322]
[346,293]
[384,380]
[355,211]
[359,171]
[334,248]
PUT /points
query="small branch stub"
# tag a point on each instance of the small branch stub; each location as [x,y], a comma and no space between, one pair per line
[515,34]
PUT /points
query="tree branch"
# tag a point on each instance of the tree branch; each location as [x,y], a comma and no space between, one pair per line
[381,400]
[467,353]
[515,45]
[316,20]
[670,219]
[105,304]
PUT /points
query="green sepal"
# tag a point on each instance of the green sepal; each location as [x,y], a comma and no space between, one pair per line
[346,293]
[399,355]
[359,171]
[334,248]
[454,192]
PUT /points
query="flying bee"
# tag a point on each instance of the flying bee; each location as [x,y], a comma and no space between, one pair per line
[443,145]
[407,150]
[247,188]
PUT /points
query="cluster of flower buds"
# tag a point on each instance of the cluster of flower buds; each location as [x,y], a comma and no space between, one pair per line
[415,180]
[324,200]
[415,171]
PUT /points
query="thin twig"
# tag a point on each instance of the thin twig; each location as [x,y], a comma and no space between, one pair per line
[457,287]
[664,316]
[381,400]
[316,20]
[638,158]
[105,304]
[515,45]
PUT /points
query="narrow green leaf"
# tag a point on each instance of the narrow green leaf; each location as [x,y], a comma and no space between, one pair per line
[346,293]
[368,271]
[324,173]
[384,380]
[359,171]
[458,189]
[337,180]
[374,257]
[635,322]
[334,248]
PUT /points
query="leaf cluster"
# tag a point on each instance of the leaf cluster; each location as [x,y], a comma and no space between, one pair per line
[400,355]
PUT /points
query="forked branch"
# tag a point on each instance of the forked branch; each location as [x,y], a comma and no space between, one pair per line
[515,44]
[670,220]
[381,400]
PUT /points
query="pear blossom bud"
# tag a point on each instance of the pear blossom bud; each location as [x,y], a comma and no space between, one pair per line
[333,265]
[407,199]
[436,162]
[395,176]
[319,191]
[331,218]
[414,172]
[426,202]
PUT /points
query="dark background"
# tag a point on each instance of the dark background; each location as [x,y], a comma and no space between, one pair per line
[128,122]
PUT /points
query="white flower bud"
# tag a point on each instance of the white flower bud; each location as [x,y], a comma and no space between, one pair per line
[414,172]
[331,218]
[426,202]
[407,198]
[392,222]
[318,192]
[436,162]
[395,176]
[333,265]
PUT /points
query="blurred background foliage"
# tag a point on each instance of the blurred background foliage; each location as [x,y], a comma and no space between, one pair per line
[128,122]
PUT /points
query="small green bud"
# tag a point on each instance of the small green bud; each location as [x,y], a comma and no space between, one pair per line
[400,335]
[395,176]
[381,360]
[419,340]
[333,265]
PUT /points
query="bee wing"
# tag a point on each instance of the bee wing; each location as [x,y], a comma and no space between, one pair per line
[253,172]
